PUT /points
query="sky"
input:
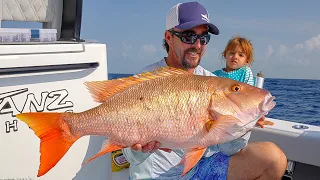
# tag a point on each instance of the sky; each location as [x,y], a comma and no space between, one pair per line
[285,34]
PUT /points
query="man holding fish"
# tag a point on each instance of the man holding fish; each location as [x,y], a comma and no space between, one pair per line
[187,123]
[186,36]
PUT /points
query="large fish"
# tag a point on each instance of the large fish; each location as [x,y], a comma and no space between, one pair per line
[179,109]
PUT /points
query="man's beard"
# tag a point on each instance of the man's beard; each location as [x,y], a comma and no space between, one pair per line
[188,65]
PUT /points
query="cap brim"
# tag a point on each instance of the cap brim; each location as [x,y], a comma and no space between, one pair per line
[189,25]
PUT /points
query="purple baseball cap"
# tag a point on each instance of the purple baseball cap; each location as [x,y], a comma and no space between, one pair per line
[189,15]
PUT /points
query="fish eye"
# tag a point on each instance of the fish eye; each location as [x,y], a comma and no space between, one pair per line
[236,88]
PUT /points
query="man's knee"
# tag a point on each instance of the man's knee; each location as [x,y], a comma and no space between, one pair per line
[275,158]
[258,159]
[275,154]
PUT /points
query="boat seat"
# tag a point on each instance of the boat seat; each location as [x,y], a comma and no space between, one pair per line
[47,12]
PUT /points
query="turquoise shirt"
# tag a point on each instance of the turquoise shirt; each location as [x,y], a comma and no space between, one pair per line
[243,74]
[163,165]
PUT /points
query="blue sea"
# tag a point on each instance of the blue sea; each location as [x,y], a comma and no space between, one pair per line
[298,100]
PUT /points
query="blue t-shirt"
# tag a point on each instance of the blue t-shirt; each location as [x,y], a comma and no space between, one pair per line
[243,74]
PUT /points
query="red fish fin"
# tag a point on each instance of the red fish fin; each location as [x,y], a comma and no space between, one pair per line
[164,71]
[102,90]
[221,123]
[54,134]
[209,124]
[213,114]
[106,148]
[191,158]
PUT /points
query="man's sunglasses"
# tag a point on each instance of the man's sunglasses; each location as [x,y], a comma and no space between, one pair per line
[189,37]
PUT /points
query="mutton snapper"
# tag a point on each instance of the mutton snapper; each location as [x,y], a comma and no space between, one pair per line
[176,108]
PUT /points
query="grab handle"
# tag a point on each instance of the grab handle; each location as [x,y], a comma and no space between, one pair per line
[47,68]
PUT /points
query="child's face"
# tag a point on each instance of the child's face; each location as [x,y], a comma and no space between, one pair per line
[235,59]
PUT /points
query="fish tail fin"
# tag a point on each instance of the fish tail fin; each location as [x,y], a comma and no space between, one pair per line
[54,134]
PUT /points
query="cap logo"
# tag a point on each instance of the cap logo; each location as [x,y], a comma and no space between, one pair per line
[205,17]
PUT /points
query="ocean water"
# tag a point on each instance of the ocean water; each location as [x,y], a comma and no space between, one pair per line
[297,100]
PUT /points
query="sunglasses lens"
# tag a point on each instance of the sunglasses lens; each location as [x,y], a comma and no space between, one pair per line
[191,38]
[204,39]
[188,38]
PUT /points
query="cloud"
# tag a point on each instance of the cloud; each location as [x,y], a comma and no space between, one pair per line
[131,58]
[149,49]
[137,53]
[278,25]
[126,50]
[283,50]
[303,54]
[309,45]
[270,51]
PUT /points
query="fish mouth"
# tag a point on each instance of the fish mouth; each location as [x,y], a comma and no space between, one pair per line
[267,104]
[249,118]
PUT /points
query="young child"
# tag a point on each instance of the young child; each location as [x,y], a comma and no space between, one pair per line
[239,57]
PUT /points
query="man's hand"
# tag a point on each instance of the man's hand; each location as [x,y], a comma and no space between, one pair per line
[150,147]
[261,122]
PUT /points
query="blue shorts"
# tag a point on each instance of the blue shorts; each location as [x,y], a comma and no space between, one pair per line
[213,168]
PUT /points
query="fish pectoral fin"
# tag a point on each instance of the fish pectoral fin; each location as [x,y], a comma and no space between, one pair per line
[222,122]
[209,124]
[191,158]
[102,90]
[106,148]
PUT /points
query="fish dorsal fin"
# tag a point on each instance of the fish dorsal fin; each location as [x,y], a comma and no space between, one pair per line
[102,90]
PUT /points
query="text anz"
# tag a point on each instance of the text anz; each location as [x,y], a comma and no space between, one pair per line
[49,101]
